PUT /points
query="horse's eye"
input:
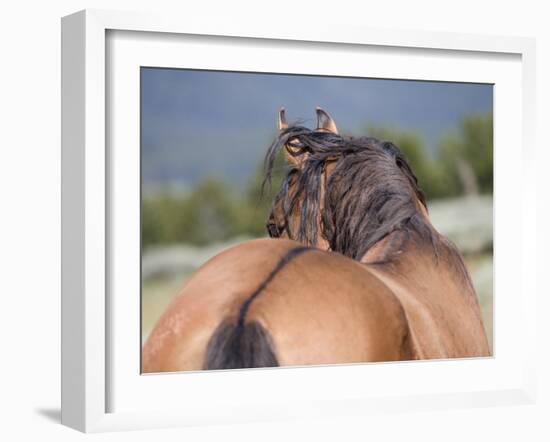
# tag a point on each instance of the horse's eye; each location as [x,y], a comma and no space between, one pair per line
[273,230]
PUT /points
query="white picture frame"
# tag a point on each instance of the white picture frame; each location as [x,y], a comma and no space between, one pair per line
[88,321]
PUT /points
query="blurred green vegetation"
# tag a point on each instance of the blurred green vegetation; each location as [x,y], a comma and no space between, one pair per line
[462,163]
[213,211]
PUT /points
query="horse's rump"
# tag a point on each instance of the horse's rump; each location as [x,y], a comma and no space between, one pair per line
[315,308]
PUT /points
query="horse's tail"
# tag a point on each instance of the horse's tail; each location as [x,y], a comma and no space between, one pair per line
[240,345]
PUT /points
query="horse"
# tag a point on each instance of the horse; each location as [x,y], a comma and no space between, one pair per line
[353,271]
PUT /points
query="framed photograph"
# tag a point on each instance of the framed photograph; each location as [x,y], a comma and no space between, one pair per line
[265,222]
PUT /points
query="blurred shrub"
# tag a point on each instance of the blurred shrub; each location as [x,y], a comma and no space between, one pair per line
[211,212]
[208,214]
[462,163]
[467,157]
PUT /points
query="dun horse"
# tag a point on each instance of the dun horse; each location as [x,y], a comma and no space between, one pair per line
[358,273]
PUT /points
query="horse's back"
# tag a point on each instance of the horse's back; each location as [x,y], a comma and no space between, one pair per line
[316,308]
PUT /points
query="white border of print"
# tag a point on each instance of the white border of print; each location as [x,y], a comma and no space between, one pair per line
[102,388]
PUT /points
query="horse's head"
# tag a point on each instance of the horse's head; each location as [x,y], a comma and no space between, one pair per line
[291,202]
[340,193]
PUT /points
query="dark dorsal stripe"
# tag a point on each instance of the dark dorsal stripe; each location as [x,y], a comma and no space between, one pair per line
[290,255]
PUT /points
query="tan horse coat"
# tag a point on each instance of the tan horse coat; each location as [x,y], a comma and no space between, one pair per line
[323,308]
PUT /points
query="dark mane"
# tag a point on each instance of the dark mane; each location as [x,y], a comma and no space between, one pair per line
[370,192]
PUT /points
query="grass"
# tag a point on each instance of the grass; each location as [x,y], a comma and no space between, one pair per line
[156,295]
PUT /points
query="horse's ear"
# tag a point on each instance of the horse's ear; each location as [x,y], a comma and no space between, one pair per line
[325,122]
[281,120]
[282,125]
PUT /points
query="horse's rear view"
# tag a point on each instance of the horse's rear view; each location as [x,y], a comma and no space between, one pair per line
[357,273]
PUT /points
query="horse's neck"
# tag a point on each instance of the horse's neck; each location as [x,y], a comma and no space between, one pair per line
[388,249]
[418,262]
